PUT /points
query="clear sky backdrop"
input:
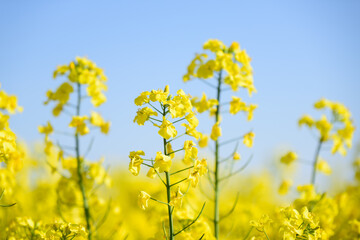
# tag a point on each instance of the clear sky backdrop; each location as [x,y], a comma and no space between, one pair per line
[301,51]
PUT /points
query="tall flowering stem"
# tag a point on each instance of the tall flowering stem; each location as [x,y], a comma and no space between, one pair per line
[173,109]
[217,162]
[339,129]
[74,168]
[80,168]
[316,158]
[230,66]
[168,189]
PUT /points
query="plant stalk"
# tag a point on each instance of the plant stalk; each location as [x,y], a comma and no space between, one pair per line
[80,169]
[313,176]
[168,192]
[217,163]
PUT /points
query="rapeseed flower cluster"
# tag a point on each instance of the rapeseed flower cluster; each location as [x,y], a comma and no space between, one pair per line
[171,109]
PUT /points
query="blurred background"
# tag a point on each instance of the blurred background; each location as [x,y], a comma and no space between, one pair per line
[301,51]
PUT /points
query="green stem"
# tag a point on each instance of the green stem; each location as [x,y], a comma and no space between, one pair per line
[181,170]
[313,176]
[266,235]
[168,192]
[217,162]
[80,169]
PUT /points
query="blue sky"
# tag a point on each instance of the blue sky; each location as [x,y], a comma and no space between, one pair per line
[301,51]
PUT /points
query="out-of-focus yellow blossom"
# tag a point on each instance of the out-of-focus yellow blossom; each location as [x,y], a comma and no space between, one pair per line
[355,226]
[97,120]
[191,127]
[285,186]
[203,140]
[204,104]
[143,114]
[340,129]
[170,150]
[143,200]
[47,129]
[236,156]
[78,122]
[191,152]
[10,154]
[176,198]
[162,162]
[322,103]
[214,45]
[307,192]
[167,129]
[324,127]
[323,166]
[250,110]
[9,103]
[216,131]
[249,139]
[151,173]
[236,105]
[135,161]
[200,168]
[61,96]
[289,157]
[261,223]
[98,173]
[306,120]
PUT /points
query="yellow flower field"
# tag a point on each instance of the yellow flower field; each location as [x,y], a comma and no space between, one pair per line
[192,187]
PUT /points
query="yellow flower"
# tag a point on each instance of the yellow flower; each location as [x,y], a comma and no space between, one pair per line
[306,120]
[204,104]
[162,162]
[289,157]
[78,122]
[158,96]
[261,223]
[237,105]
[143,200]
[170,151]
[97,120]
[135,161]
[142,98]
[322,103]
[143,114]
[214,45]
[47,130]
[9,103]
[323,166]
[167,129]
[179,105]
[324,127]
[234,47]
[249,139]
[285,186]
[236,156]
[250,109]
[176,198]
[200,168]
[203,141]
[151,173]
[191,152]
[216,131]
